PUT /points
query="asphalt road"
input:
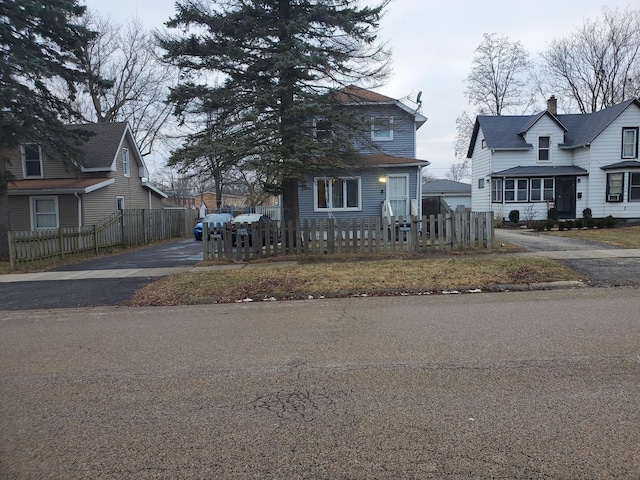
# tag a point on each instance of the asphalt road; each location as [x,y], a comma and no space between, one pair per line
[521,385]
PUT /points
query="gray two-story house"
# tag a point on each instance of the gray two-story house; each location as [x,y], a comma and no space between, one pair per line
[388,181]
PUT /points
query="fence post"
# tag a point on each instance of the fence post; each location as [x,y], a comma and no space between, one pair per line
[12,254]
[61,242]
[490,229]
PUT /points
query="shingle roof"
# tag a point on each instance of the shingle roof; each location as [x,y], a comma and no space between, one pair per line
[623,164]
[101,148]
[540,171]
[506,132]
[446,186]
[354,94]
[381,160]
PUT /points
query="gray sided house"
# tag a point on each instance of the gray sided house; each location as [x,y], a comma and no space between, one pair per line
[571,162]
[113,177]
[454,194]
[388,183]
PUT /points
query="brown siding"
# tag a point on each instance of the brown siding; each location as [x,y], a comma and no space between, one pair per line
[19,213]
[52,167]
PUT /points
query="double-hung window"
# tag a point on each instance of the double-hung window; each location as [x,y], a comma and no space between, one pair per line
[322,129]
[544,152]
[381,128]
[516,189]
[541,189]
[32,160]
[44,213]
[634,186]
[337,193]
[630,142]
[496,190]
[615,183]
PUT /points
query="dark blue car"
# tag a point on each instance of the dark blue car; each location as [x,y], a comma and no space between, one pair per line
[214,220]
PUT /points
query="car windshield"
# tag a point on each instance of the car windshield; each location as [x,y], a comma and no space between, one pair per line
[216,218]
[246,218]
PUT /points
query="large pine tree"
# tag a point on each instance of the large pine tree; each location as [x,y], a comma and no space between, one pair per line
[278,64]
[40,42]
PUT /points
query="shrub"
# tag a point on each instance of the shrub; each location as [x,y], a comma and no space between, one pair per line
[514,216]
[570,224]
[552,214]
[609,221]
[586,213]
[539,225]
[550,223]
[579,223]
[600,223]
[589,222]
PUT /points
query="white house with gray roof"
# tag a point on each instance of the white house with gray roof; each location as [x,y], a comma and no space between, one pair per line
[572,162]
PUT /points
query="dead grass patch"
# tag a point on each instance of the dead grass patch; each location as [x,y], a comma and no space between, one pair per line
[623,236]
[341,279]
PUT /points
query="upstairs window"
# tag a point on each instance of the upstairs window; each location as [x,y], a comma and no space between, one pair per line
[125,162]
[322,129]
[615,182]
[32,160]
[544,144]
[337,193]
[381,128]
[630,142]
[634,186]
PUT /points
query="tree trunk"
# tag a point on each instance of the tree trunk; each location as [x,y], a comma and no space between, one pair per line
[4,212]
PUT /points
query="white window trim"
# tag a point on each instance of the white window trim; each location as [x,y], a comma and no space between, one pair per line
[516,190]
[388,138]
[405,197]
[629,199]
[548,149]
[497,186]
[118,199]
[32,209]
[330,207]
[126,164]
[315,128]
[634,154]
[542,189]
[24,162]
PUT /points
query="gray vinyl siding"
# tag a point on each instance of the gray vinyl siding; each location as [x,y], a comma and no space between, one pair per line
[404,128]
[373,193]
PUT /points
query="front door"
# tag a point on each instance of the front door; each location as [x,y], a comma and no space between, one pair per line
[566,197]
[398,195]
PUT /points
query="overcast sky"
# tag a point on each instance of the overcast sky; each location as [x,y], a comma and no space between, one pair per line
[433,43]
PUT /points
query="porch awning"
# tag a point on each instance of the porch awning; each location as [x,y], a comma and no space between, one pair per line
[58,186]
[624,164]
[542,171]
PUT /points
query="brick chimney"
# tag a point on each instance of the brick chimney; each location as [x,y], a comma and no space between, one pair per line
[552,105]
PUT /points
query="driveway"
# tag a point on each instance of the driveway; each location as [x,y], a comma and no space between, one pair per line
[103,291]
[600,272]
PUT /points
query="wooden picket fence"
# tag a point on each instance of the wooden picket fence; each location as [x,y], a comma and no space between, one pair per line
[461,230]
[123,229]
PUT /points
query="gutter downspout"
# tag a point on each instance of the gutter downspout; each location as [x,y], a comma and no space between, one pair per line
[79,209]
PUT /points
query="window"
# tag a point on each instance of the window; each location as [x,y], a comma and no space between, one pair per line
[483,143]
[44,213]
[125,162]
[32,160]
[496,190]
[481,183]
[630,142]
[381,128]
[322,129]
[515,190]
[634,186]
[543,149]
[120,203]
[541,189]
[337,193]
[615,181]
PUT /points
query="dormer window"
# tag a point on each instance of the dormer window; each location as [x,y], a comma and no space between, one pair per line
[381,129]
[544,154]
[125,162]
[32,160]
[630,142]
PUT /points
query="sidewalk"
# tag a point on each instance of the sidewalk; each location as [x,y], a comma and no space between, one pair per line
[160,272]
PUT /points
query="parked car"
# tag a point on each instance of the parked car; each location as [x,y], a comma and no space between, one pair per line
[214,220]
[241,228]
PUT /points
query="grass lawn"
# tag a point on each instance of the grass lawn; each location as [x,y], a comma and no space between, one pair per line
[350,278]
[625,237]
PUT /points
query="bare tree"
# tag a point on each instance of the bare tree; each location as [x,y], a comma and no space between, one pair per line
[500,76]
[458,171]
[464,131]
[598,65]
[126,80]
